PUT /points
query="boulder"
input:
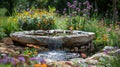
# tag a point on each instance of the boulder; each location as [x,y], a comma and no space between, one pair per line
[7,41]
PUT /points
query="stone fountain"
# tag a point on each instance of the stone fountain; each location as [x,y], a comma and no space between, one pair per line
[54,38]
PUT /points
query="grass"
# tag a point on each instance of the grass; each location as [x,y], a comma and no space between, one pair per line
[3,11]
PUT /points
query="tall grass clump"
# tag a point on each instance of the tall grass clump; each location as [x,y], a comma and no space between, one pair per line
[10,25]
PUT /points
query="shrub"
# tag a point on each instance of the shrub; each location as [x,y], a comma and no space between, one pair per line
[105,35]
[36,19]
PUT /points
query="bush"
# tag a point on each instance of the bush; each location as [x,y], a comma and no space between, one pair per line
[105,35]
[36,19]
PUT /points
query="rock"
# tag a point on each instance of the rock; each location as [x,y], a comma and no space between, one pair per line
[61,64]
[76,49]
[6,50]
[7,41]
[115,53]
[93,62]
[83,55]
[97,56]
[76,38]
[109,48]
[2,45]
[78,60]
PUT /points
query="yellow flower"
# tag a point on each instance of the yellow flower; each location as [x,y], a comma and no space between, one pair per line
[26,13]
[77,28]
[105,38]
[29,53]
[35,52]
[71,28]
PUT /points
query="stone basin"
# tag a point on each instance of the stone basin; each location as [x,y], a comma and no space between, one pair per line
[55,38]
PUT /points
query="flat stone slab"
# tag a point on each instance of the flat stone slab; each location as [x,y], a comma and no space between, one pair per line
[56,38]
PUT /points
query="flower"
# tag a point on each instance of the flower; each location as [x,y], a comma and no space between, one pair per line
[69,4]
[86,2]
[78,9]
[5,60]
[57,11]
[22,59]
[35,52]
[73,6]
[106,51]
[71,28]
[33,58]
[79,4]
[0,60]
[65,9]
[95,10]
[89,66]
[13,61]
[74,1]
[29,53]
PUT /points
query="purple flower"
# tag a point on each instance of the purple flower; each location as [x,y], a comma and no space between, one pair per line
[68,4]
[86,2]
[75,2]
[95,10]
[32,58]
[78,9]
[106,51]
[13,61]
[0,60]
[73,6]
[5,60]
[89,66]
[79,4]
[42,61]
[65,9]
[57,11]
[84,10]
[89,7]
[22,59]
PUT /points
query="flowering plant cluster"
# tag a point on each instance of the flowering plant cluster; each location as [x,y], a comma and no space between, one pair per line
[36,19]
[78,13]
[20,61]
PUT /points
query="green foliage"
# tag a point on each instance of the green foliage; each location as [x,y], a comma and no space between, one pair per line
[3,11]
[36,19]
[75,23]
[32,52]
[10,25]
[110,62]
[2,34]
[105,35]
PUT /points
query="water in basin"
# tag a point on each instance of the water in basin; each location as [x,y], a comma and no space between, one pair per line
[57,55]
